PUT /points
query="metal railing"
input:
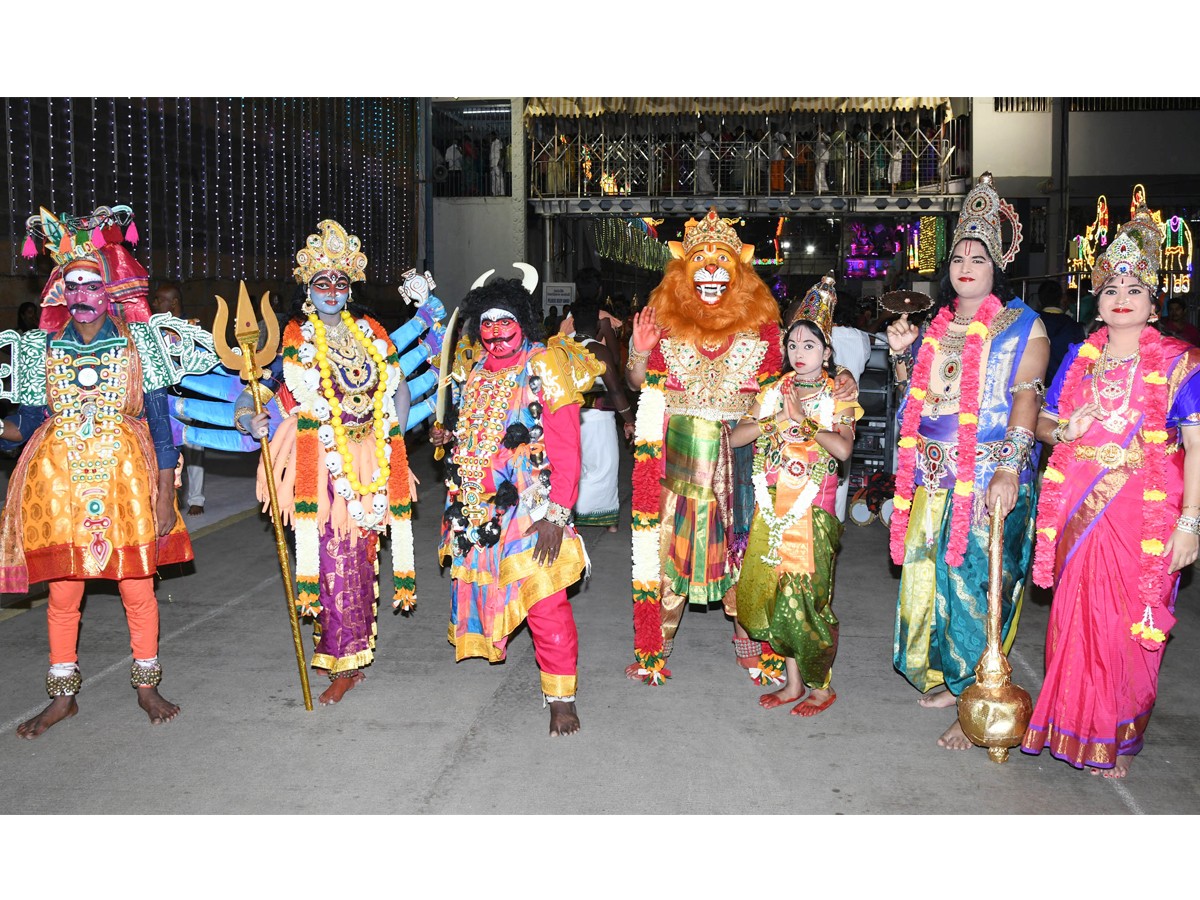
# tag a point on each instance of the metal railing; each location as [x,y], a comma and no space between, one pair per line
[582,158]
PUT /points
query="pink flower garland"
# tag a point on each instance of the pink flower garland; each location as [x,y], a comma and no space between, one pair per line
[1155,518]
[968,430]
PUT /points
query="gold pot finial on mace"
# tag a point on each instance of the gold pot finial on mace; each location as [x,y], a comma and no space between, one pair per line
[994,712]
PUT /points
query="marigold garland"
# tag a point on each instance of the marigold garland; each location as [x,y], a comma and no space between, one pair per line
[309,455]
[968,430]
[1155,517]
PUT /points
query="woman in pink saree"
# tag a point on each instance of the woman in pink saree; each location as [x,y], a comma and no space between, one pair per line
[1119,514]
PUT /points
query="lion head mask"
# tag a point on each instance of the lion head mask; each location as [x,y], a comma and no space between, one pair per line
[709,290]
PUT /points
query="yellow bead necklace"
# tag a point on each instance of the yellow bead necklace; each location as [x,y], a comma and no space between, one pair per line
[335,407]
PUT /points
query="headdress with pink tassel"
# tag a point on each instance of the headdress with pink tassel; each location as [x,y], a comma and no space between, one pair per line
[96,236]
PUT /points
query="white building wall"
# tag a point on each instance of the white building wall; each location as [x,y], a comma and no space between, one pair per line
[1135,145]
[474,234]
[1009,145]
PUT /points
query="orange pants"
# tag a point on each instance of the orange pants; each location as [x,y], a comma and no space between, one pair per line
[141,612]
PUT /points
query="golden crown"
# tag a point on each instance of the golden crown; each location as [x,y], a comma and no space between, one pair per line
[981,220]
[817,306]
[712,229]
[331,249]
[1135,250]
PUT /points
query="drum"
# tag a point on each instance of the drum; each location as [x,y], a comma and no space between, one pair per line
[885,512]
[859,513]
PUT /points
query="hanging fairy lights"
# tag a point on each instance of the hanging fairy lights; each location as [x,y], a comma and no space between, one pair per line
[235,240]
[146,202]
[255,192]
[189,237]
[50,144]
[92,143]
[240,259]
[173,160]
[71,150]
[12,245]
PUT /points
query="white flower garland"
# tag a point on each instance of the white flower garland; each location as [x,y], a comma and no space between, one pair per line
[649,428]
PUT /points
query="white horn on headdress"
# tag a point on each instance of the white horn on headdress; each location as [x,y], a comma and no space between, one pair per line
[529,280]
[482,278]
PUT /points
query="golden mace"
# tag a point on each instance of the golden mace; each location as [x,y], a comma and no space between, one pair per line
[248,361]
[994,712]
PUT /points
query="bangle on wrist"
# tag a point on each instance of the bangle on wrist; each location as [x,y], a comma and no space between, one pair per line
[1060,433]
[1190,524]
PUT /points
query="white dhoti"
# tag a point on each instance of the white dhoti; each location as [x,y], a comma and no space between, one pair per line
[599,461]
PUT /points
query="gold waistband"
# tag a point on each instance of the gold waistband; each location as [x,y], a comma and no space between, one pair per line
[1112,455]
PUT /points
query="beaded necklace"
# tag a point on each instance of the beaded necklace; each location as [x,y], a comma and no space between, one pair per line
[321,339]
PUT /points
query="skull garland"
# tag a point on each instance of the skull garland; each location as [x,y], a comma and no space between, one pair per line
[522,438]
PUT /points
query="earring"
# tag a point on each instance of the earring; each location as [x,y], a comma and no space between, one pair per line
[1099,318]
[1154,318]
[307,306]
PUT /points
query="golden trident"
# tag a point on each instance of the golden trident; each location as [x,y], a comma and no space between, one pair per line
[248,361]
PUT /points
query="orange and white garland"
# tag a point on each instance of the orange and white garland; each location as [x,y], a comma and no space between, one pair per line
[320,434]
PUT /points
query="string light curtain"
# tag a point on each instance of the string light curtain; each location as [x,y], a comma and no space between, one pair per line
[221,187]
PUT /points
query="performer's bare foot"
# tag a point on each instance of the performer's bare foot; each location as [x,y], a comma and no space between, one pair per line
[817,701]
[954,738]
[194,510]
[158,708]
[1120,770]
[939,699]
[612,529]
[60,708]
[337,689]
[563,718]
[786,694]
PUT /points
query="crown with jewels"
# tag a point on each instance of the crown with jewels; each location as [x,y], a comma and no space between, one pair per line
[331,249]
[981,220]
[68,237]
[712,229]
[1134,250]
[817,306]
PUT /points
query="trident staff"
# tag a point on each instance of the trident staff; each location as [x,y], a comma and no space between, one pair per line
[249,363]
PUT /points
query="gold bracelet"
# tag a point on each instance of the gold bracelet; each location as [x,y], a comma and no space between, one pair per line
[1060,433]
[636,358]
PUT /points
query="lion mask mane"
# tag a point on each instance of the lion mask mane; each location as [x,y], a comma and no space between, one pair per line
[745,305]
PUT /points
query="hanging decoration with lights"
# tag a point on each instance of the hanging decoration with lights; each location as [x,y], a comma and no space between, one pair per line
[628,241]
[225,183]
[926,244]
[1176,268]
[1081,254]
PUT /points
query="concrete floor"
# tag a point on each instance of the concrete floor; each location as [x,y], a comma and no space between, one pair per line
[425,735]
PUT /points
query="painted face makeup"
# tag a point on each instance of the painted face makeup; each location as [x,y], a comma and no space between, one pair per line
[87,301]
[500,333]
[971,270]
[330,291]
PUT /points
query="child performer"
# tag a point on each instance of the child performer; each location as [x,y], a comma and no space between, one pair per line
[800,434]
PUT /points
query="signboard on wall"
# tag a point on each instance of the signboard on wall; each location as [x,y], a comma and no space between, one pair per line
[557,293]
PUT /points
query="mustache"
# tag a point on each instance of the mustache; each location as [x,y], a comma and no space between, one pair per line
[82,307]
